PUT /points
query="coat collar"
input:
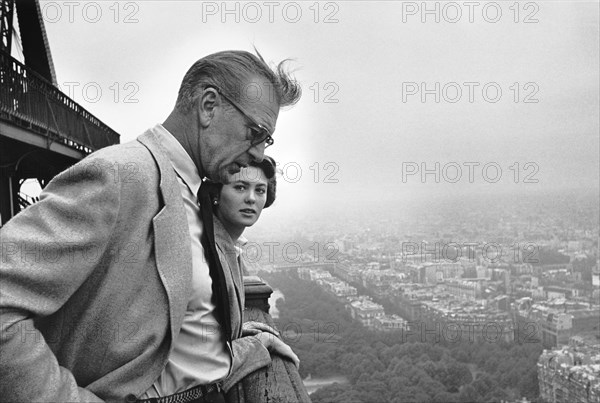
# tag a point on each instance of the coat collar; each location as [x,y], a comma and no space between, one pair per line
[178,158]
[171,236]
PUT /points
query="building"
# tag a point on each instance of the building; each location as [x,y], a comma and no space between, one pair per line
[432,273]
[347,273]
[380,281]
[310,274]
[557,324]
[554,292]
[556,329]
[366,311]
[390,322]
[337,287]
[408,299]
[468,321]
[571,374]
[463,289]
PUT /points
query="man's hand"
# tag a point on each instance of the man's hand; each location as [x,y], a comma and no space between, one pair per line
[275,345]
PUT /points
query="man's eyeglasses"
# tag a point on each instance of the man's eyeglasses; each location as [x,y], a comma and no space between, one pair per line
[259,134]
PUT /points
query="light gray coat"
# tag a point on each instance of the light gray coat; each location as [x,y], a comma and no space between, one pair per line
[95,279]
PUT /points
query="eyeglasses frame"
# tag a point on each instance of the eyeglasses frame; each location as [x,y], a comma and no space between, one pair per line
[268,139]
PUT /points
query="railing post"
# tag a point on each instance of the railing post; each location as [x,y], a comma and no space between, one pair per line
[280,380]
[257,293]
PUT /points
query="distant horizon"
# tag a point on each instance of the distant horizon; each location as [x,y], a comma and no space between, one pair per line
[280,215]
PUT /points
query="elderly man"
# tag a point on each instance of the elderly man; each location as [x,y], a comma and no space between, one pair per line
[110,286]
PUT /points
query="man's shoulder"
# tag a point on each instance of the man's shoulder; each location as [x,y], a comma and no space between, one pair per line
[131,163]
[132,151]
[146,151]
[133,157]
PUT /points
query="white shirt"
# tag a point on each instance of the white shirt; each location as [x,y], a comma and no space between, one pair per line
[199,354]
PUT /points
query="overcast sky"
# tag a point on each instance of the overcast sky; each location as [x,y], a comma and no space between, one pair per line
[363,128]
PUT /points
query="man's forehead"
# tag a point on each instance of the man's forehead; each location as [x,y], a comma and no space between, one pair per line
[257,89]
[260,97]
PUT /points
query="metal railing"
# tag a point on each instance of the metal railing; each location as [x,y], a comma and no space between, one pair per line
[31,102]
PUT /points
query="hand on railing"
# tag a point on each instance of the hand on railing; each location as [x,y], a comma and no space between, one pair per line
[252,328]
[277,346]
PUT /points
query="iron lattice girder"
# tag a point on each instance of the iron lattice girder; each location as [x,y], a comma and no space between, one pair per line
[6,21]
[36,48]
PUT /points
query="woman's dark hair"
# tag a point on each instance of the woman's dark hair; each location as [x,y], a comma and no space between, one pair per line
[268,166]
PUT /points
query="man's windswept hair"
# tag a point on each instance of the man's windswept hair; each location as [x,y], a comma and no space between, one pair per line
[230,70]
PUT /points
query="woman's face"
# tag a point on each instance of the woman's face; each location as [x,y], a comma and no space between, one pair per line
[242,200]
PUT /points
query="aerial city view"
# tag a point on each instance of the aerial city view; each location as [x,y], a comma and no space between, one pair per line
[445,302]
[282,201]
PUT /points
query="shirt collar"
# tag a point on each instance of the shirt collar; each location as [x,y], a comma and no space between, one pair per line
[239,245]
[242,240]
[180,159]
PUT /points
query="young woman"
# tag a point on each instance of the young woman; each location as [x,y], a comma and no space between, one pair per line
[238,205]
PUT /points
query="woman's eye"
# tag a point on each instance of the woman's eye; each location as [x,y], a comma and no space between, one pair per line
[261,191]
[239,187]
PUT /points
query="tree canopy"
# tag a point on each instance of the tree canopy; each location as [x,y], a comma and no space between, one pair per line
[381,367]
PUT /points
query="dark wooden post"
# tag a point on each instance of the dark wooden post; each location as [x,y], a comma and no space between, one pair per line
[280,380]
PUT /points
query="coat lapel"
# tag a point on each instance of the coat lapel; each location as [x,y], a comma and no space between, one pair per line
[233,275]
[171,237]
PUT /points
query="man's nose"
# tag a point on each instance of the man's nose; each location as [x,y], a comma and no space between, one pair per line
[257,152]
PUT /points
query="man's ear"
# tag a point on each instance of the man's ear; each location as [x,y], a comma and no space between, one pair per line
[206,104]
